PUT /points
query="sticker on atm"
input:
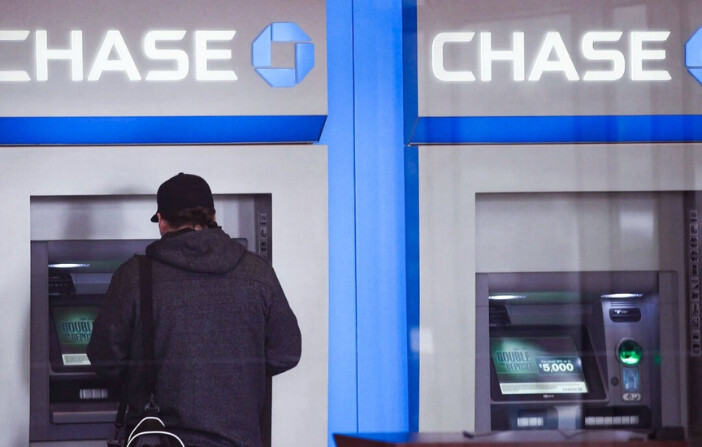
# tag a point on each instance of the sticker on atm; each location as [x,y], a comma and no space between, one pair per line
[75,360]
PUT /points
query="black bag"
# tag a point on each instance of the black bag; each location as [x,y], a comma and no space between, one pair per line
[150,431]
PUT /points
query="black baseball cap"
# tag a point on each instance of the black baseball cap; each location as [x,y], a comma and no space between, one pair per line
[182,192]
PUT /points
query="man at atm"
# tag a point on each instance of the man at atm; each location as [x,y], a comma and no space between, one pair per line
[222,324]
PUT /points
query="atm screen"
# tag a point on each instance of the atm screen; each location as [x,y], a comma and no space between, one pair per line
[537,365]
[74,325]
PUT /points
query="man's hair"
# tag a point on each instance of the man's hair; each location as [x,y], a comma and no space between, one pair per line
[200,216]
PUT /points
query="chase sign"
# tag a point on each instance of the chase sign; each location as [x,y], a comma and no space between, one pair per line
[262,49]
[210,58]
[557,59]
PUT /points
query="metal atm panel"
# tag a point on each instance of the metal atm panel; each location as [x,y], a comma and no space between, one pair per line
[574,350]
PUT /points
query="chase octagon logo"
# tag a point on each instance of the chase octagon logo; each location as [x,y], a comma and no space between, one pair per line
[262,54]
[693,55]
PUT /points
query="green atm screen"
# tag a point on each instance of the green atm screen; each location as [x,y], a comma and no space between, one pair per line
[537,365]
[74,325]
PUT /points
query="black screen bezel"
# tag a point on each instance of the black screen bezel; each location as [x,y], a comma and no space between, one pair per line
[55,352]
[583,345]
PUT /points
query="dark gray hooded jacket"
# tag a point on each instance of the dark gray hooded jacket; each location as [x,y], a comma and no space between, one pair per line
[221,324]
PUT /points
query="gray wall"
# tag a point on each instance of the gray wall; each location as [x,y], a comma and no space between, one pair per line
[295,176]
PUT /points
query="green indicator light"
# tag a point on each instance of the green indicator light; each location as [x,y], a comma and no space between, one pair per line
[630,352]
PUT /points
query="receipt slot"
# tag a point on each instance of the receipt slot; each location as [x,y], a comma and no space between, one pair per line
[580,350]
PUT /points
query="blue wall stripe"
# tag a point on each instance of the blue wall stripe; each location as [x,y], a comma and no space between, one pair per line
[160,130]
[338,135]
[382,323]
[557,129]
[411,170]
[412,269]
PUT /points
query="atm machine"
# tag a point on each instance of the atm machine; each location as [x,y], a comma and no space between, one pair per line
[68,400]
[69,278]
[577,351]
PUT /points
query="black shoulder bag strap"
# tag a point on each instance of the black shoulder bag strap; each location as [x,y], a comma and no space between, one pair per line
[147,328]
[121,417]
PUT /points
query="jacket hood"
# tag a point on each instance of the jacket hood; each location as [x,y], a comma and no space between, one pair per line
[210,250]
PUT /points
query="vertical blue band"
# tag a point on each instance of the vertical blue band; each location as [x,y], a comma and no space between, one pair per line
[381,282]
[339,136]
[411,169]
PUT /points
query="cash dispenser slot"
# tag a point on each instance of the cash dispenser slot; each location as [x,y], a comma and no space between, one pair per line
[82,399]
[69,415]
[82,389]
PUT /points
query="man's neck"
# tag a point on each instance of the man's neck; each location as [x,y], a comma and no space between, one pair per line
[181,230]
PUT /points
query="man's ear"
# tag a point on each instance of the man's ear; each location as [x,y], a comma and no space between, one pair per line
[162,224]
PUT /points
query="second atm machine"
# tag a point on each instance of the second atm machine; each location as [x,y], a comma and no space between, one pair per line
[578,350]
[68,400]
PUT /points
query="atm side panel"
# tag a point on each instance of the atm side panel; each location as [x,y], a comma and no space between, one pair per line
[483,421]
[39,346]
